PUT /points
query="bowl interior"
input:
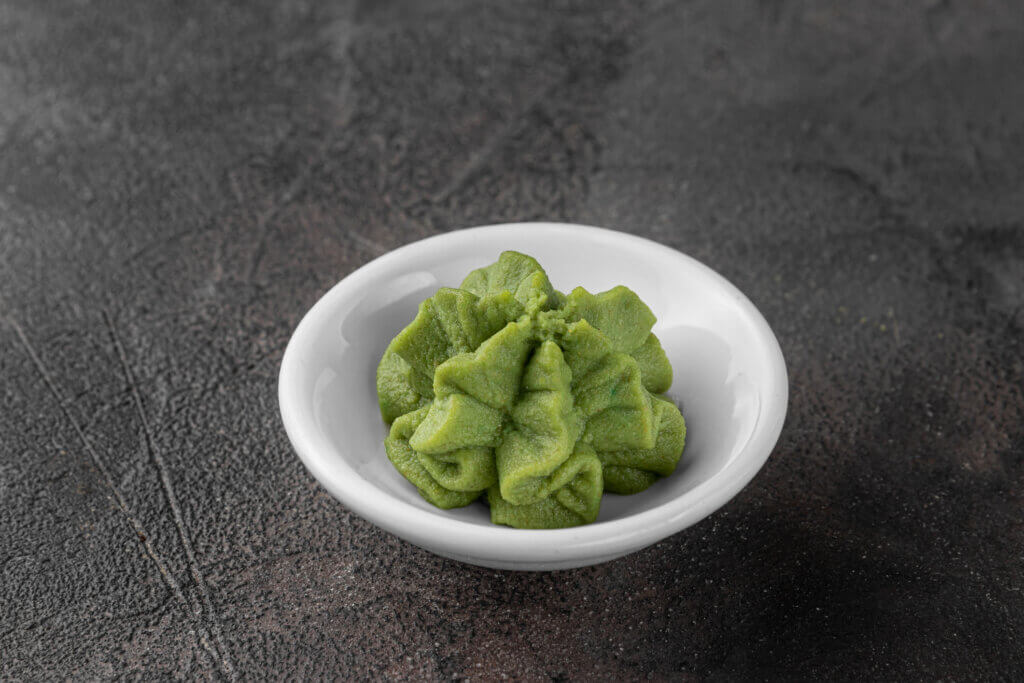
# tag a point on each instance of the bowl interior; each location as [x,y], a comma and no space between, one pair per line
[720,380]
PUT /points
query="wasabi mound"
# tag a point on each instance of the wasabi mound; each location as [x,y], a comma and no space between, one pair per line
[535,402]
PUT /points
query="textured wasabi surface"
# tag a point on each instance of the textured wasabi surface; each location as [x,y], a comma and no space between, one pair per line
[537,402]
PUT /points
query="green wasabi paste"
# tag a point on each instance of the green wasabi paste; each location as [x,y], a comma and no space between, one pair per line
[536,402]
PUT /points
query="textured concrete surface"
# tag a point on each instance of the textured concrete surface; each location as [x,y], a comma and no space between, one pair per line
[179,182]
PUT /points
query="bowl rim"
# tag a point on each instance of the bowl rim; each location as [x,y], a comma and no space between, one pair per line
[470,540]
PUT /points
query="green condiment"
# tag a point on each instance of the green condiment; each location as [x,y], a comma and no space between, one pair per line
[536,401]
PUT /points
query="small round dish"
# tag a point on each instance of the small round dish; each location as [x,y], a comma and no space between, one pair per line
[730,381]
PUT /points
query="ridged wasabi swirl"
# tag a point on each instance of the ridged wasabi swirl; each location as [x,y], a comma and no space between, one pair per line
[536,401]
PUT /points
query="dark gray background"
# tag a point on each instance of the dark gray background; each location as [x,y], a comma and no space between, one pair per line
[179,184]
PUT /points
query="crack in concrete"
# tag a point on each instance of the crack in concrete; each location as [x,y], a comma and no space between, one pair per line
[172,502]
[116,496]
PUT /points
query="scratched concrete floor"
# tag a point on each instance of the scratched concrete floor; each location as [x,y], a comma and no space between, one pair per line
[179,182]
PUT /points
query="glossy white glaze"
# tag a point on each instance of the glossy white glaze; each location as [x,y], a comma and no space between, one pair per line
[730,380]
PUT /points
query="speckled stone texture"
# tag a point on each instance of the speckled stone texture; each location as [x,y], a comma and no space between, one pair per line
[179,182]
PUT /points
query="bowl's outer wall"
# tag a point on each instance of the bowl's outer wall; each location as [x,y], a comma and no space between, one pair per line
[729,379]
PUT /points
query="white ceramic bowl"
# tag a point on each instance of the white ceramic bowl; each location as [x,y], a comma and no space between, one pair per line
[730,381]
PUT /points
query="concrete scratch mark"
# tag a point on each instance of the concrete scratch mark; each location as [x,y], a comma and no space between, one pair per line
[492,145]
[29,625]
[163,242]
[344,101]
[172,500]
[41,619]
[116,495]
[533,102]
[971,153]
[366,243]
[264,219]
